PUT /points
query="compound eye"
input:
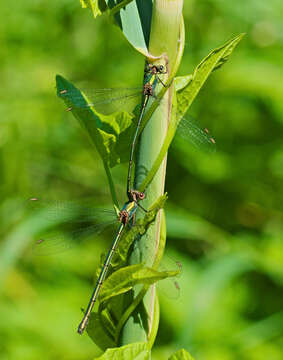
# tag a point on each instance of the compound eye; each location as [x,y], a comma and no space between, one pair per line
[161,67]
[141,196]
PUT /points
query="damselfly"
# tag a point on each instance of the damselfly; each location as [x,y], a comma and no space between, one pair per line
[98,97]
[114,98]
[126,214]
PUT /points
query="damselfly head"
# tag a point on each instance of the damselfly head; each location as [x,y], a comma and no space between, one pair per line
[161,69]
[137,195]
[141,195]
[155,69]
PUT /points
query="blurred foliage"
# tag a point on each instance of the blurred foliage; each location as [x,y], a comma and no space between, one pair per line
[224,211]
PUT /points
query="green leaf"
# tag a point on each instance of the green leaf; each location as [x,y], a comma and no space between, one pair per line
[125,278]
[181,355]
[97,6]
[135,351]
[132,18]
[214,60]
[109,133]
[97,332]
[155,323]
[180,82]
[135,22]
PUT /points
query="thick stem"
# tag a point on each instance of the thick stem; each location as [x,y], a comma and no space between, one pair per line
[164,43]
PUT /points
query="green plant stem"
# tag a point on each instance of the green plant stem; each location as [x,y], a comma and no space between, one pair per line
[164,39]
[153,106]
[129,311]
[111,185]
[169,138]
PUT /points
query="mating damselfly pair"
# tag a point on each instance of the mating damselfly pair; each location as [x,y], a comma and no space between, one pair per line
[96,99]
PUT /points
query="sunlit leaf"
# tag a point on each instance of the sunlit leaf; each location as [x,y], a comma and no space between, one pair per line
[125,278]
[135,22]
[110,134]
[96,331]
[133,19]
[181,355]
[135,351]
[97,6]
[215,59]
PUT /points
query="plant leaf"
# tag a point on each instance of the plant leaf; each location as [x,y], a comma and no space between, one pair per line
[125,278]
[135,22]
[214,60]
[180,82]
[107,132]
[181,354]
[132,17]
[134,351]
[97,332]
[97,6]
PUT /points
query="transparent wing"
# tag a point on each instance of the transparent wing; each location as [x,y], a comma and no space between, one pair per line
[93,97]
[60,241]
[170,287]
[190,131]
[70,211]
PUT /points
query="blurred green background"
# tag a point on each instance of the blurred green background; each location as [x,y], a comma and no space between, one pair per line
[224,211]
